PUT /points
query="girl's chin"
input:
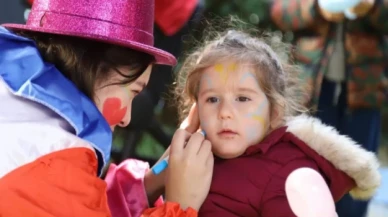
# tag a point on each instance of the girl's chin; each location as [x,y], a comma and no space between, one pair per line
[228,154]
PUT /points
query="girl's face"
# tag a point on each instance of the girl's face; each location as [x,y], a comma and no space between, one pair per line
[115,101]
[233,109]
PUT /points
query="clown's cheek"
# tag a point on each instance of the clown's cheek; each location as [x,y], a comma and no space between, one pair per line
[112,111]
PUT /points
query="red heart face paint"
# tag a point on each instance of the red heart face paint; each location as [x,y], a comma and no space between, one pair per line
[112,111]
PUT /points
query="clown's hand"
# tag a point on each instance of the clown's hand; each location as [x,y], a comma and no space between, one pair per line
[337,10]
[191,123]
[308,194]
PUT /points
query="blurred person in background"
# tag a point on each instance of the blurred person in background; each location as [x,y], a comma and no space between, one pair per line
[12,11]
[344,61]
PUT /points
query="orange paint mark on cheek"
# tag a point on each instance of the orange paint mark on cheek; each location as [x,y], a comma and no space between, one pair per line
[259,118]
[112,111]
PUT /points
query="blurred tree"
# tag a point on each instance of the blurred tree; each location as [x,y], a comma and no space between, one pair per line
[255,12]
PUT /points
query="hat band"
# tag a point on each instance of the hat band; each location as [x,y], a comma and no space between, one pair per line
[79,25]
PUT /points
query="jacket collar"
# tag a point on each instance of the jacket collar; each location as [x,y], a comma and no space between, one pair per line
[340,150]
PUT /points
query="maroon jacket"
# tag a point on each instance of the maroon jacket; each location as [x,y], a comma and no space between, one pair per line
[254,183]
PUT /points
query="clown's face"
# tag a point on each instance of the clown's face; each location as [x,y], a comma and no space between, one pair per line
[115,101]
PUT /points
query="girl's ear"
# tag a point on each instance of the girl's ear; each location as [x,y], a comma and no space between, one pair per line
[277,114]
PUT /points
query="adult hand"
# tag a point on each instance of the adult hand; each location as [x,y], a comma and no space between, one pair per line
[191,123]
[155,184]
[190,170]
[331,16]
[362,8]
[338,10]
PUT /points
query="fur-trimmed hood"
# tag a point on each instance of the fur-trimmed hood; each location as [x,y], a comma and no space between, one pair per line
[341,151]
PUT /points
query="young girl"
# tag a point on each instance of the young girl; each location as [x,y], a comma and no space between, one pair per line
[67,79]
[248,100]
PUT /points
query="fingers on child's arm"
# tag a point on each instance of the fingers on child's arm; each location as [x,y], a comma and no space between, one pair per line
[178,141]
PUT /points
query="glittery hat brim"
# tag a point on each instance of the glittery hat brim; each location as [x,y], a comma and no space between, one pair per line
[161,57]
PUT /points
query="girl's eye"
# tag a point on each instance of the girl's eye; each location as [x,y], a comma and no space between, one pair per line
[212,100]
[243,99]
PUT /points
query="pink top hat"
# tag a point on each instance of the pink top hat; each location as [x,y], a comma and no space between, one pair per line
[128,23]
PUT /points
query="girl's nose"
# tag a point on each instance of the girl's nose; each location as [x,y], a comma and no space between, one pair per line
[225,111]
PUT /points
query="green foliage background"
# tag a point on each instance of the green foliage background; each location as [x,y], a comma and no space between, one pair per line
[254,12]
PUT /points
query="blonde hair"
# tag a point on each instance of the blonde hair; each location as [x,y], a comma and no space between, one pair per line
[278,78]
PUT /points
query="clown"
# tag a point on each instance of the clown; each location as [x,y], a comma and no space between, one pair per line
[67,80]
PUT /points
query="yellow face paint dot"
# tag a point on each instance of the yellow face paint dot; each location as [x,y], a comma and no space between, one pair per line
[219,68]
[232,67]
[223,74]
